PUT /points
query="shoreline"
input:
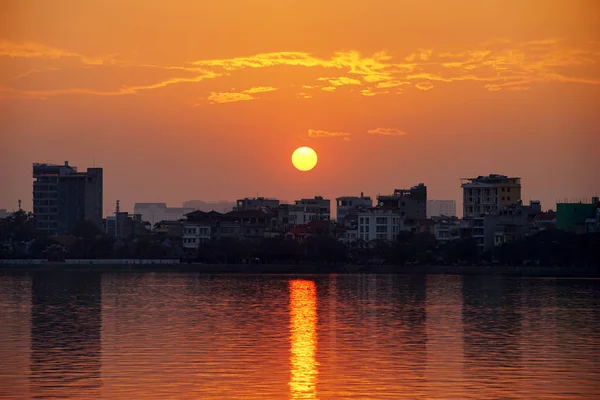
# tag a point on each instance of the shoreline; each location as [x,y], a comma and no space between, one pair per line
[518,271]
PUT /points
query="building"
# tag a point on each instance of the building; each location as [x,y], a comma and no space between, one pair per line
[577,217]
[486,194]
[62,197]
[346,205]
[256,203]
[4,213]
[379,223]
[306,210]
[206,206]
[156,212]
[510,223]
[124,225]
[445,229]
[170,229]
[441,208]
[410,203]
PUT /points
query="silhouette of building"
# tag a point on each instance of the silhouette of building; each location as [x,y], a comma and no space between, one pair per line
[62,197]
[486,194]
[306,210]
[441,208]
[206,206]
[4,213]
[578,217]
[156,212]
[254,203]
[124,225]
[350,205]
[409,203]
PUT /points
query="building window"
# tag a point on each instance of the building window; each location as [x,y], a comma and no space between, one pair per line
[381,220]
[503,189]
[381,228]
[508,198]
[508,189]
[367,228]
[362,229]
[503,196]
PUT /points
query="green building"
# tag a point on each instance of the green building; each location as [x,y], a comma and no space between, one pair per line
[571,217]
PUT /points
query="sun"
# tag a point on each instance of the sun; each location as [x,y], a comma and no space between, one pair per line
[304,158]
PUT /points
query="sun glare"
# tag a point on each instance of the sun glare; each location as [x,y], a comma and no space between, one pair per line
[304,158]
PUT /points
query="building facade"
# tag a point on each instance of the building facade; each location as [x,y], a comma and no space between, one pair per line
[409,203]
[306,210]
[346,205]
[256,203]
[380,224]
[577,217]
[156,212]
[486,194]
[62,197]
[441,208]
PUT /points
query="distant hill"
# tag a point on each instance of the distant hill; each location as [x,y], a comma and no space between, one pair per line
[206,206]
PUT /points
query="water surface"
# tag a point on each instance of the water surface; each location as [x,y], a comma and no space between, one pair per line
[194,336]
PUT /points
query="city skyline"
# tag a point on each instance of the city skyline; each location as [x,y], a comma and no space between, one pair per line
[381,91]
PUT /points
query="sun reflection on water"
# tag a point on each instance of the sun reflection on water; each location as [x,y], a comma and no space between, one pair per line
[303,330]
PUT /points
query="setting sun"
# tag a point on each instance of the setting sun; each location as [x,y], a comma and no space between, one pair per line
[304,158]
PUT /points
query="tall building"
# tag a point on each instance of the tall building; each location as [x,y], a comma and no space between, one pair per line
[306,210]
[410,203]
[441,208]
[256,203]
[380,224]
[156,212]
[486,194]
[348,204]
[62,197]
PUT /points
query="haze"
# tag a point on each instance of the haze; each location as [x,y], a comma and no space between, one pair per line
[207,99]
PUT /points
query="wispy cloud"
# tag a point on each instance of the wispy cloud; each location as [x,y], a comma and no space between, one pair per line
[260,89]
[228,97]
[341,81]
[386,132]
[424,86]
[496,65]
[314,133]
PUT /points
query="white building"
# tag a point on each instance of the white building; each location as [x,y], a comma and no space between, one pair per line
[380,224]
[347,204]
[156,212]
[306,210]
[439,208]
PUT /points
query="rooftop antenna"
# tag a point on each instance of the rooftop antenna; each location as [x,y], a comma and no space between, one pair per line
[19,202]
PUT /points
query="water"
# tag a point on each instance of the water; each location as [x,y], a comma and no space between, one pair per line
[191,336]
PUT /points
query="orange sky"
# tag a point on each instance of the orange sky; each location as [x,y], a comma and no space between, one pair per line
[207,100]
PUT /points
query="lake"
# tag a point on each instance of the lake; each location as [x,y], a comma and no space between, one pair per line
[197,336]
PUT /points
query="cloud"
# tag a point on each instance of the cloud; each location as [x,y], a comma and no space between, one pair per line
[260,89]
[37,50]
[312,133]
[386,132]
[228,97]
[495,65]
[341,81]
[424,86]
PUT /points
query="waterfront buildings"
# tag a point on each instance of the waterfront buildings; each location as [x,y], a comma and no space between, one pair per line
[346,205]
[156,212]
[486,194]
[63,197]
[441,208]
[255,203]
[309,209]
[378,223]
[578,217]
[409,203]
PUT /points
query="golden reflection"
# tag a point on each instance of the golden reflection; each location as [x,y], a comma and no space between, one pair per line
[303,329]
